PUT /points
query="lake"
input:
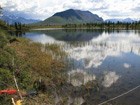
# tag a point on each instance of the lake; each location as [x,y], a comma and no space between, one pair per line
[106,62]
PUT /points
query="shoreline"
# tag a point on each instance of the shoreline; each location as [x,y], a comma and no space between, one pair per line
[39,29]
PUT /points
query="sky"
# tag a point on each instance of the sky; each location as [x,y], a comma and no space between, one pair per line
[42,9]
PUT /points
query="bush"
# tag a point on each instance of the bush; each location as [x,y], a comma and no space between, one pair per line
[6,79]
[29,62]
[3,39]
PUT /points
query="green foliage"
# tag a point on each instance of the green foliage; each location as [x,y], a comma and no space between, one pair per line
[6,73]
[6,57]
[58,20]
[29,62]
[6,79]
[5,99]
[6,26]
[6,53]
[12,28]
[20,27]
[3,40]
[105,25]
[8,65]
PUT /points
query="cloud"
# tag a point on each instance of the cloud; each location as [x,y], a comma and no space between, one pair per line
[117,14]
[43,9]
[136,9]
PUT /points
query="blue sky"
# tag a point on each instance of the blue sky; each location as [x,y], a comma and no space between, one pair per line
[42,9]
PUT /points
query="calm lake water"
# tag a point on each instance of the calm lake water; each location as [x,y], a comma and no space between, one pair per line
[111,58]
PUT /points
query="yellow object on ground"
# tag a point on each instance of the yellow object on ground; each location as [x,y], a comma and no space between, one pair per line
[19,102]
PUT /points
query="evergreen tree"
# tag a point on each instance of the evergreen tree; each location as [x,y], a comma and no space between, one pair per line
[127,26]
[0,10]
[19,26]
[16,26]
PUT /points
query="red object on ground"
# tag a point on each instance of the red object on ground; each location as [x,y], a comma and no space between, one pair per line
[10,92]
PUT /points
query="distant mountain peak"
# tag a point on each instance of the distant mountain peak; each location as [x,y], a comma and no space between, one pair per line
[126,20]
[67,14]
[11,19]
[72,16]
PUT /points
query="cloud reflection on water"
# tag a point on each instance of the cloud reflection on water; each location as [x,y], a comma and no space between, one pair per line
[42,38]
[92,54]
[126,65]
[80,77]
[98,49]
[110,78]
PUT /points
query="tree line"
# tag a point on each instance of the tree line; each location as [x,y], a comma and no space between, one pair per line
[105,25]
[17,26]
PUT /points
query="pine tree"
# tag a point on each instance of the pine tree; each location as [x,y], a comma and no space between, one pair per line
[19,26]
[16,26]
[0,10]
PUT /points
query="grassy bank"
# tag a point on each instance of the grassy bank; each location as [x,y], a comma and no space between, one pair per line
[38,68]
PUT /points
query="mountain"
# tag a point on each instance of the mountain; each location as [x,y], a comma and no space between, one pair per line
[73,17]
[127,20]
[11,19]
